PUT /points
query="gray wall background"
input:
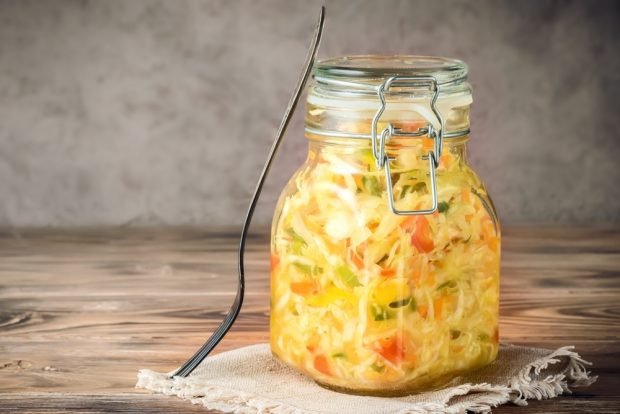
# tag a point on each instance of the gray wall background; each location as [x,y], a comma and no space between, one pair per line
[161,112]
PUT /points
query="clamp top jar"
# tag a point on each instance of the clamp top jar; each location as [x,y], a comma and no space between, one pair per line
[385,244]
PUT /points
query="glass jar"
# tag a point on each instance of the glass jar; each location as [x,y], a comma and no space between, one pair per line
[385,247]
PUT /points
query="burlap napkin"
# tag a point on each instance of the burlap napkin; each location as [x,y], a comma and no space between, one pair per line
[250,380]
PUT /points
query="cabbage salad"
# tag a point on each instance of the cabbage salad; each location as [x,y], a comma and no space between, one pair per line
[366,300]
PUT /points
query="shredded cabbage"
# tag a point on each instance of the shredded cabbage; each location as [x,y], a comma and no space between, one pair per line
[363,299]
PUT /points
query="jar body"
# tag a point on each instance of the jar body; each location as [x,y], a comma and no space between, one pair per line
[370,302]
[365,300]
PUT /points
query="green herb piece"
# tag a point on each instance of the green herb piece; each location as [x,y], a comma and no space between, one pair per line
[304,268]
[298,242]
[454,334]
[296,237]
[379,313]
[371,184]
[348,276]
[377,368]
[483,337]
[296,247]
[443,206]
[339,355]
[403,192]
[418,186]
[399,303]
[413,304]
[365,156]
[449,284]
[411,189]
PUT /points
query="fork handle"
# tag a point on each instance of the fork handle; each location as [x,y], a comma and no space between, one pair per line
[191,364]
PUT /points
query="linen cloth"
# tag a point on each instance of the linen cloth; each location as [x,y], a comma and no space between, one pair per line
[250,380]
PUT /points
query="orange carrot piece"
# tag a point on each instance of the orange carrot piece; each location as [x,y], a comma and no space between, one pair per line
[303,288]
[321,364]
[488,230]
[411,126]
[438,305]
[275,261]
[357,260]
[389,272]
[428,144]
[420,231]
[465,193]
[392,348]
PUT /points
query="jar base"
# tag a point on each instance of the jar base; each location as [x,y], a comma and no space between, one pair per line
[390,392]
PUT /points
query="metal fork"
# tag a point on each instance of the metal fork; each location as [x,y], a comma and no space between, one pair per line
[191,364]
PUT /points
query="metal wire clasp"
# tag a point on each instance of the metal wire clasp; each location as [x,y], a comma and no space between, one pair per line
[378,140]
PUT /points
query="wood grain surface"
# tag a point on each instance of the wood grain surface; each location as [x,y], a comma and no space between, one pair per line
[81,311]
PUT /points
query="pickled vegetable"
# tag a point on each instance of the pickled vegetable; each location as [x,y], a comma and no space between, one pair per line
[363,299]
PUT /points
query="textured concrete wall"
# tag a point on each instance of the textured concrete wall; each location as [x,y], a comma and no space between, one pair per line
[161,112]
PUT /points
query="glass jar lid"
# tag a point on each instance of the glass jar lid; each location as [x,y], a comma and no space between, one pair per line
[363,74]
[351,89]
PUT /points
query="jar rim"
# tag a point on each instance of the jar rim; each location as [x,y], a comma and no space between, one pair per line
[371,69]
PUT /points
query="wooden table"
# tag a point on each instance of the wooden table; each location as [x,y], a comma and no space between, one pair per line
[82,311]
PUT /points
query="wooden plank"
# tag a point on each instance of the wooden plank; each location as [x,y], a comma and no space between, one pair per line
[82,311]
[41,403]
[133,403]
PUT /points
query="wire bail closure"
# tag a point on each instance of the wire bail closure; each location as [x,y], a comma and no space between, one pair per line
[378,141]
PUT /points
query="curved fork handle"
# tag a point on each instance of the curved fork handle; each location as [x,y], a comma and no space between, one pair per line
[191,364]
